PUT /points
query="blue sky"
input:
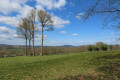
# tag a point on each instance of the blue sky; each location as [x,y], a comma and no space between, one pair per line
[66,14]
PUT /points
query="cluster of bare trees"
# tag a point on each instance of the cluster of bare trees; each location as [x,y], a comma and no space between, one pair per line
[28,28]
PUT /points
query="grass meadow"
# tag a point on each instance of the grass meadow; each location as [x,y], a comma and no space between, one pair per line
[73,66]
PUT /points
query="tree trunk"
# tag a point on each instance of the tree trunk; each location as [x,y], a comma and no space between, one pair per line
[33,34]
[29,47]
[33,46]
[42,43]
[33,40]
[26,48]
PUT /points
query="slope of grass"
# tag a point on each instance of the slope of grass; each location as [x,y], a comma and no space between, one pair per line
[75,66]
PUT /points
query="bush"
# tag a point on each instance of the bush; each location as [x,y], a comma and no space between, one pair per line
[90,47]
[104,47]
[111,47]
[96,48]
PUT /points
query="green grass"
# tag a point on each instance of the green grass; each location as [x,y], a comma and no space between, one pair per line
[84,65]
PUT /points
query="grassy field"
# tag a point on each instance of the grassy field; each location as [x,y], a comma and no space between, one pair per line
[74,66]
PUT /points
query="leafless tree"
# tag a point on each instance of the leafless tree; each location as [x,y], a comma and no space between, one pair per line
[46,22]
[30,38]
[23,32]
[33,28]
[29,25]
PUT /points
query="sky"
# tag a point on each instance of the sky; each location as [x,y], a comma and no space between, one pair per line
[68,27]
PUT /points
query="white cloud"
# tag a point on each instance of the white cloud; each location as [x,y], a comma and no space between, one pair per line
[7,34]
[59,23]
[79,15]
[59,4]
[82,41]
[10,39]
[39,37]
[52,41]
[8,6]
[24,11]
[13,21]
[5,30]
[51,4]
[63,32]
[39,7]
[17,36]
[3,36]
[75,34]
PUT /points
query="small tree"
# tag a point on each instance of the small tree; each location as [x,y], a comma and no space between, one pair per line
[22,31]
[46,22]
[96,48]
[111,47]
[29,25]
[117,47]
[33,27]
[90,47]
[104,47]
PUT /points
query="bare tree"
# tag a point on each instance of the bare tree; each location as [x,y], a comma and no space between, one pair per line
[29,33]
[30,38]
[46,22]
[33,28]
[22,31]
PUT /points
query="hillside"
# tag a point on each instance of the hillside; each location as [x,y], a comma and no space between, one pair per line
[79,66]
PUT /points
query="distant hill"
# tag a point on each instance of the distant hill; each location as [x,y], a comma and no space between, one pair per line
[4,45]
[22,46]
[67,46]
[10,46]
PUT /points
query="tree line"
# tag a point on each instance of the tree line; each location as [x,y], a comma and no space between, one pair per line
[48,50]
[100,46]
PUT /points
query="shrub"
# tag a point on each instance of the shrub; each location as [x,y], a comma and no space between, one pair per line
[96,48]
[90,47]
[111,47]
[104,47]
